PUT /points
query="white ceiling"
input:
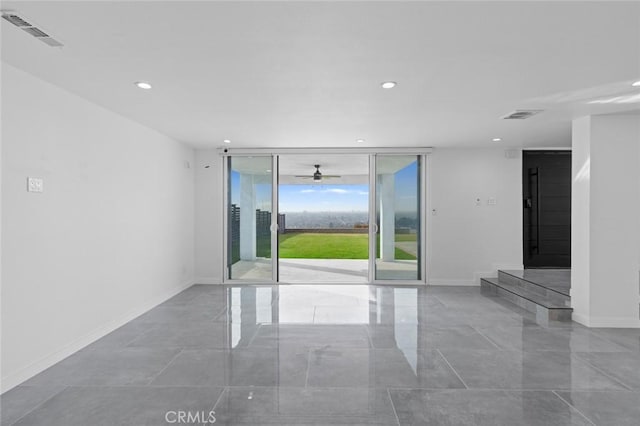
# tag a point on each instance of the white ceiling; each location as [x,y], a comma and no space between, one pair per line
[300,165]
[351,169]
[302,74]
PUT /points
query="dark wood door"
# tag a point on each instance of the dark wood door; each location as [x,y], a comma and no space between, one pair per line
[546,190]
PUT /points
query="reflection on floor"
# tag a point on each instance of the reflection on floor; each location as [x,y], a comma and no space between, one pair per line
[348,355]
[397,270]
[324,270]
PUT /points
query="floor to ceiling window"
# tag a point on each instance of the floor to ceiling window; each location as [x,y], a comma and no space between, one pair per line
[325,218]
[398,219]
[249,218]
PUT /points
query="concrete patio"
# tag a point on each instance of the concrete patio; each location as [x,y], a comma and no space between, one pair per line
[323,270]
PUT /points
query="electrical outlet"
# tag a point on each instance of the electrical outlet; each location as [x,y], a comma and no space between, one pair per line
[491,201]
[35,184]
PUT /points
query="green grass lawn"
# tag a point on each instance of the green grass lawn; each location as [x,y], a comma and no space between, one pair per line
[331,246]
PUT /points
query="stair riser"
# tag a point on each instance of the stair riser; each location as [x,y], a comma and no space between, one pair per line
[558,298]
[504,294]
[543,314]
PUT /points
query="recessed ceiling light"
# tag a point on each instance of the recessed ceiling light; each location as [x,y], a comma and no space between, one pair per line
[226,141]
[143,85]
[636,84]
[359,140]
[388,84]
[268,170]
[496,139]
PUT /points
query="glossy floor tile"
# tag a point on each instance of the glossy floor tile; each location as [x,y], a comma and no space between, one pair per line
[548,339]
[623,366]
[606,408]
[527,370]
[121,406]
[627,337]
[305,406]
[21,400]
[483,408]
[339,355]
[382,368]
[120,367]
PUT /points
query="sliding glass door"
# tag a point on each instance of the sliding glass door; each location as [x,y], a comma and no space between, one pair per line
[393,251]
[250,220]
[398,218]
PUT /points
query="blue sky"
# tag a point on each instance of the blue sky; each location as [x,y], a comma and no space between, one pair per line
[407,188]
[322,197]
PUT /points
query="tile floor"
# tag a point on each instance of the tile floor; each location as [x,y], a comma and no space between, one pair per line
[339,355]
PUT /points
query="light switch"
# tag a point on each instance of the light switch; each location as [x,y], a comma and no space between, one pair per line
[35,184]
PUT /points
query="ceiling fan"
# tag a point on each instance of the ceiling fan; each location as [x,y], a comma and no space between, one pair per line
[317,175]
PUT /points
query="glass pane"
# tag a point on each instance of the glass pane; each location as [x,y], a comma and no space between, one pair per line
[249,218]
[398,217]
[324,218]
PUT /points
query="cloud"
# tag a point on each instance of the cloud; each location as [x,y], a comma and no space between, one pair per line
[333,191]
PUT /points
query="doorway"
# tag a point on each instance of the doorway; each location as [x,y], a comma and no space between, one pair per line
[353,217]
[323,207]
[546,190]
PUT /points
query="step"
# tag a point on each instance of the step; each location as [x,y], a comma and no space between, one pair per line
[546,309]
[556,292]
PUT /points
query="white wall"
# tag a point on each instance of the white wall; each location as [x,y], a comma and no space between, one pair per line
[209,217]
[111,236]
[580,212]
[466,240]
[605,268]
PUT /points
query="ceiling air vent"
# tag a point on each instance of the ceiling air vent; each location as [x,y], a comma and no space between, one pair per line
[51,42]
[36,32]
[31,29]
[16,20]
[521,114]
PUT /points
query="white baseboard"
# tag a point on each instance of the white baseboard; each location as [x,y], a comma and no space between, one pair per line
[508,267]
[450,282]
[488,274]
[14,379]
[475,281]
[207,280]
[609,322]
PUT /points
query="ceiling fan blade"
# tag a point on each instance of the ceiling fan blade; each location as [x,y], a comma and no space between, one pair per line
[331,176]
[304,176]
